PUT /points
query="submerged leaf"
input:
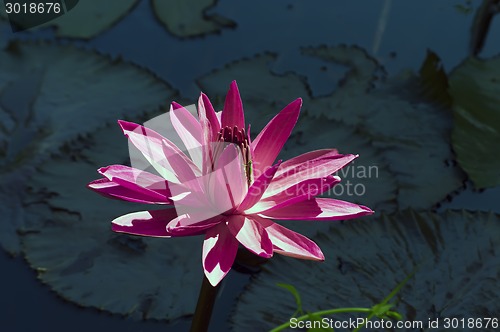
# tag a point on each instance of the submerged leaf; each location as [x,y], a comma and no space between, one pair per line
[86,263]
[50,95]
[475,87]
[188,18]
[455,256]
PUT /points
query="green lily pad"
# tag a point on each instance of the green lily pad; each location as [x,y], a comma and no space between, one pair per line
[188,18]
[82,260]
[434,81]
[475,87]
[89,18]
[50,95]
[413,135]
[455,255]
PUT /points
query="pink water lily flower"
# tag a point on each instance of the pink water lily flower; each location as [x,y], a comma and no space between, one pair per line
[229,188]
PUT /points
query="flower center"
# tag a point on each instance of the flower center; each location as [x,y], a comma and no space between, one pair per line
[240,138]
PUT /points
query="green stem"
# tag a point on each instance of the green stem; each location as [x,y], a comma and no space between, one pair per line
[204,307]
[321,313]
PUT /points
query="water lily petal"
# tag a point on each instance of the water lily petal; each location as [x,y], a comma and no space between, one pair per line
[187,177]
[219,251]
[232,114]
[268,144]
[300,160]
[289,243]
[192,224]
[297,193]
[146,223]
[316,167]
[206,110]
[258,188]
[113,190]
[189,130]
[227,183]
[150,144]
[318,209]
[150,187]
[251,235]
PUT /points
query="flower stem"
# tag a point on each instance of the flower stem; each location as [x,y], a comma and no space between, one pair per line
[204,307]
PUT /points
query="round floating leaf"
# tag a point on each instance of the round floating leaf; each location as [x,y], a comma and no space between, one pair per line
[455,255]
[475,88]
[188,18]
[50,95]
[81,259]
[413,136]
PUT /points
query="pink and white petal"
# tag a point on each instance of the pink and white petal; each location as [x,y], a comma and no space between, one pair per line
[142,182]
[318,209]
[145,223]
[232,114]
[219,117]
[196,218]
[113,190]
[206,111]
[187,177]
[189,130]
[251,235]
[150,144]
[227,183]
[186,225]
[258,188]
[268,144]
[304,158]
[295,194]
[320,167]
[209,130]
[289,243]
[219,252]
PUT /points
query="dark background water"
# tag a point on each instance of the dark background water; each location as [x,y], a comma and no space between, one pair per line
[282,27]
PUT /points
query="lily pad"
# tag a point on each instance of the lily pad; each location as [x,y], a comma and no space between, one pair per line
[475,87]
[455,255]
[89,18]
[50,95]
[413,135]
[82,260]
[189,18]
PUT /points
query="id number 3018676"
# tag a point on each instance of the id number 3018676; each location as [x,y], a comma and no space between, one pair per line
[33,8]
